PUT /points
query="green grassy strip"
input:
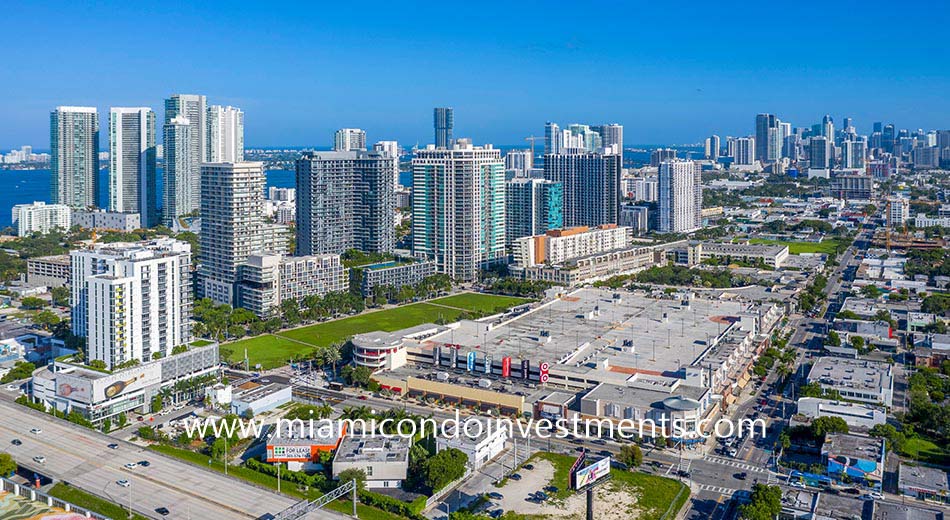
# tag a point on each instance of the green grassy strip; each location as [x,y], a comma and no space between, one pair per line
[344,506]
[91,502]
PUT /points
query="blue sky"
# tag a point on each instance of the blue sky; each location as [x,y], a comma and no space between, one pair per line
[669,72]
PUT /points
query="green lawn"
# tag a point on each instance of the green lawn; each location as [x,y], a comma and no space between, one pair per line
[268,350]
[338,331]
[654,493]
[827,246]
[91,502]
[274,350]
[925,451]
[489,303]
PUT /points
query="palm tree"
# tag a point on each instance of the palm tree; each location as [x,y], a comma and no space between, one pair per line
[332,355]
[360,412]
[323,411]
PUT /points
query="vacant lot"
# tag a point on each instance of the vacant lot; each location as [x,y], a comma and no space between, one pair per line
[627,495]
[828,246]
[488,303]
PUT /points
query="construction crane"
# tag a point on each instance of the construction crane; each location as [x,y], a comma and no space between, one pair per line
[532,138]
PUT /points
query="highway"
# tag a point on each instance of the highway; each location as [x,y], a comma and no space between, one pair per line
[82,458]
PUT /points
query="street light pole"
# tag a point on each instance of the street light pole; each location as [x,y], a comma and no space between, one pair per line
[278,477]
[130,497]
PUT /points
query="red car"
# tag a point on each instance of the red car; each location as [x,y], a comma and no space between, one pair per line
[362,398]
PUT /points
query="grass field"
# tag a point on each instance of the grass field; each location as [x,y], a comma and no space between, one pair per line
[489,303]
[274,350]
[827,246]
[925,451]
[268,350]
[655,494]
[91,502]
[338,331]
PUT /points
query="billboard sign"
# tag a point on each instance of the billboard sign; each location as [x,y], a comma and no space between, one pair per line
[506,366]
[543,368]
[455,358]
[111,386]
[298,452]
[74,387]
[525,367]
[126,381]
[470,361]
[437,356]
[550,412]
[592,473]
[488,363]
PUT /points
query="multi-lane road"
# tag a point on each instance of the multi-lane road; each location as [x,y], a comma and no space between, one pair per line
[82,458]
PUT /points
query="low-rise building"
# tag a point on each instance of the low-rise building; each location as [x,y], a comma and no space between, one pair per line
[858,416]
[852,187]
[559,245]
[48,271]
[391,274]
[251,398]
[480,444]
[385,461]
[923,221]
[859,458]
[923,482]
[99,395]
[693,253]
[299,445]
[864,328]
[106,220]
[265,280]
[40,217]
[665,401]
[592,267]
[855,379]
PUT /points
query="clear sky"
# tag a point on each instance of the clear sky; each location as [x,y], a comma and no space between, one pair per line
[670,72]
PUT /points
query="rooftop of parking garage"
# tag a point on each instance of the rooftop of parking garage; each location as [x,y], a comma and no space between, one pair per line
[591,329]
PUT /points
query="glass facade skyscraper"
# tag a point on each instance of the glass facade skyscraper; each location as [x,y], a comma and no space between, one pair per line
[74,157]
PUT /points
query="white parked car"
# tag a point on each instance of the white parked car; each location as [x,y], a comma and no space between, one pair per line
[36,431]
[131,465]
[39,459]
[123,483]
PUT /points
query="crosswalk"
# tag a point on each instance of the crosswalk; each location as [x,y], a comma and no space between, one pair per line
[717,489]
[735,464]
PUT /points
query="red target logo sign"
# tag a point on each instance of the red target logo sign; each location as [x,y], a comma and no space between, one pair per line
[544,367]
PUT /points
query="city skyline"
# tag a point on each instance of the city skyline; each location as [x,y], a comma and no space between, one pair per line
[663,91]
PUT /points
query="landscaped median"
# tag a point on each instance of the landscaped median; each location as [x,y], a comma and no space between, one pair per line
[91,502]
[274,350]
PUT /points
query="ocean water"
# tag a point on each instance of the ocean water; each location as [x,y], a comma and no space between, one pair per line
[26,186]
